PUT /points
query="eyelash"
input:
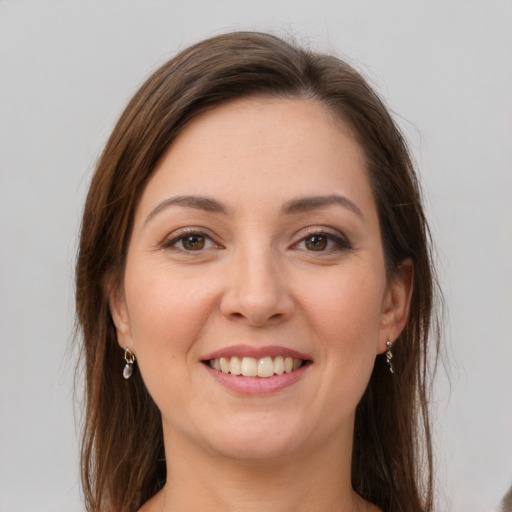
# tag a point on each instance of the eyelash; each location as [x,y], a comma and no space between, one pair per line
[341,243]
[189,233]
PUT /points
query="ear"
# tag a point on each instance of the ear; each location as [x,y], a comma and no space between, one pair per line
[396,304]
[120,315]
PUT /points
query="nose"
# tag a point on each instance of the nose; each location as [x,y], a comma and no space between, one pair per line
[257,291]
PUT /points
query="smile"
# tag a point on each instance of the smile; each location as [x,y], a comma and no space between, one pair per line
[256,367]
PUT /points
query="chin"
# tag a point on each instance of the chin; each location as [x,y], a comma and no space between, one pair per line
[259,439]
[257,449]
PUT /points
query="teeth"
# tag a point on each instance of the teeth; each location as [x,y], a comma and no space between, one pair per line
[224,365]
[265,367]
[215,364]
[252,367]
[235,366]
[249,367]
[279,365]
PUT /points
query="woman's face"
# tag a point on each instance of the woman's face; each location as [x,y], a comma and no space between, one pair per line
[256,248]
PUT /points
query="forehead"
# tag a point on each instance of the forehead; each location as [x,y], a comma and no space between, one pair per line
[274,148]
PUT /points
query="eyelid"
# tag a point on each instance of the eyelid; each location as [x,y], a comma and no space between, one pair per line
[173,238]
[335,236]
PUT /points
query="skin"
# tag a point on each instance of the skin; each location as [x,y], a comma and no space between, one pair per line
[255,279]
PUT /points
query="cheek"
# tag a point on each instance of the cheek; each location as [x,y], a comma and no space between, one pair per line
[166,313]
[345,315]
[167,317]
[348,304]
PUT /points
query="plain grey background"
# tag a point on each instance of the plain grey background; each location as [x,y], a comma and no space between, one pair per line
[66,71]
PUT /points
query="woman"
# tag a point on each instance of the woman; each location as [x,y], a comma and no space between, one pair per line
[254,260]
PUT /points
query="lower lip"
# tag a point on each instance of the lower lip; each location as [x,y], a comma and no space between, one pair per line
[258,385]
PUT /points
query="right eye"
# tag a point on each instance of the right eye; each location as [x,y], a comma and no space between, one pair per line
[190,242]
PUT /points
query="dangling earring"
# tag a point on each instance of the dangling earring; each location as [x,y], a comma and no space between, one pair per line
[389,356]
[129,359]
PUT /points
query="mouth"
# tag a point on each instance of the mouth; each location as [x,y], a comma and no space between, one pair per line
[264,367]
[247,370]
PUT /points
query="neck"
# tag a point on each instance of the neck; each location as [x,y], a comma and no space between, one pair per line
[198,479]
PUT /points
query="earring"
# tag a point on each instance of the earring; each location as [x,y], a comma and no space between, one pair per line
[129,359]
[389,356]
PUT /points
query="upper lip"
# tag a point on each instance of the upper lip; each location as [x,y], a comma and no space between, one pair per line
[256,352]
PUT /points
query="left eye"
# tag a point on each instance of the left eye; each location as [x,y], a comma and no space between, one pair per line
[316,243]
[321,242]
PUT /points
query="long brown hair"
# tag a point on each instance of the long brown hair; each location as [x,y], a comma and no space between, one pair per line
[123,462]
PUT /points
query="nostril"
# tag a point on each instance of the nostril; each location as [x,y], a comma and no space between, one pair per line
[256,307]
[257,320]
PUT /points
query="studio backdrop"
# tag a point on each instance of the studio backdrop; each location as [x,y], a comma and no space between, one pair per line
[67,69]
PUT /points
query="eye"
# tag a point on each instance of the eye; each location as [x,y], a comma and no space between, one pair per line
[190,242]
[322,242]
[316,243]
[193,242]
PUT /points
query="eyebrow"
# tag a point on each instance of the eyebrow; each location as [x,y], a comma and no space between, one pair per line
[299,205]
[306,204]
[197,202]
